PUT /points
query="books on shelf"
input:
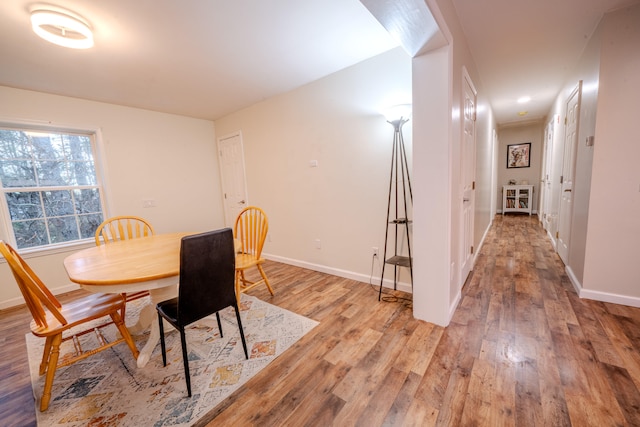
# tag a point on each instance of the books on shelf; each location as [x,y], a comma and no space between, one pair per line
[517,198]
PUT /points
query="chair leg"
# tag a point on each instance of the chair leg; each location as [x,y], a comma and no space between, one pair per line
[119,322]
[124,306]
[185,359]
[244,343]
[238,291]
[219,324]
[162,345]
[51,371]
[264,277]
[45,355]
[243,279]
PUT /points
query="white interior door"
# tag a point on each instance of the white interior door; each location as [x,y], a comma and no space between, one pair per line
[468,173]
[568,173]
[232,175]
[545,181]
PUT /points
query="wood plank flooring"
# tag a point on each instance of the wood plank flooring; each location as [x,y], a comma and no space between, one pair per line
[522,349]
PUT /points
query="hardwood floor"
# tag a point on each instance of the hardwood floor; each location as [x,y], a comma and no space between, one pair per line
[522,349]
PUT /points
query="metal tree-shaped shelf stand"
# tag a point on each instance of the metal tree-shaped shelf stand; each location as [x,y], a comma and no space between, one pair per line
[399,186]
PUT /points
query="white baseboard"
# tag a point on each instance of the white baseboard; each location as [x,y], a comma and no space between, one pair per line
[458,298]
[599,295]
[612,298]
[13,302]
[573,279]
[553,241]
[454,306]
[402,286]
[476,251]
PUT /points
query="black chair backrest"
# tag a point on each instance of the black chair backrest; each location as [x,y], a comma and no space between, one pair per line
[207,274]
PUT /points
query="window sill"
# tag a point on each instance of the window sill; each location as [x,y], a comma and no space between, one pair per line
[62,248]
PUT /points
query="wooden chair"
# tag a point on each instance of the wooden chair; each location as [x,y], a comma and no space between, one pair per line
[206,287]
[250,230]
[51,319]
[124,228]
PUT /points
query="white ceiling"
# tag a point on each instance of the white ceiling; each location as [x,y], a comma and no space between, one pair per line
[207,58]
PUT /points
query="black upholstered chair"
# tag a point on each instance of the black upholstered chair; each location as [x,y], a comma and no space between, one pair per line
[207,271]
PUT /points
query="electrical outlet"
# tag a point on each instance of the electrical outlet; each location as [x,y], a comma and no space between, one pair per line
[375,251]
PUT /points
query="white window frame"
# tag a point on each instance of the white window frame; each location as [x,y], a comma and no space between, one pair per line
[6,228]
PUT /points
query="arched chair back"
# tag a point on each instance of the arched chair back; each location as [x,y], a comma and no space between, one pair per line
[122,228]
[250,230]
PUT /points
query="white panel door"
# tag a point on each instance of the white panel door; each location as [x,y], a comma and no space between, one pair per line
[568,173]
[232,174]
[468,174]
[545,187]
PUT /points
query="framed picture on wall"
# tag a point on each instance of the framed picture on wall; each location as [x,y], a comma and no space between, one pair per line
[518,155]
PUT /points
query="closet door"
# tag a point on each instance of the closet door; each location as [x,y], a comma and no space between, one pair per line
[232,175]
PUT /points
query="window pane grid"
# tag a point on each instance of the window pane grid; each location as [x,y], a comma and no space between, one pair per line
[51,188]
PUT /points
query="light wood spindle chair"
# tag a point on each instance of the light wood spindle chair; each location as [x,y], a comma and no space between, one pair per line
[124,228]
[250,231]
[51,320]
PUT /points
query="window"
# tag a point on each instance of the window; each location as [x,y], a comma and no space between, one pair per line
[50,188]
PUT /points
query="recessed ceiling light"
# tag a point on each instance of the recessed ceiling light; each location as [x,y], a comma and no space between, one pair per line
[62,28]
[524,99]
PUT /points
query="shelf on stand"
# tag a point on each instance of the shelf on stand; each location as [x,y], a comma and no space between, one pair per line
[401,261]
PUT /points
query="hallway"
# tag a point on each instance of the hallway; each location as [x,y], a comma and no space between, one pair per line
[528,351]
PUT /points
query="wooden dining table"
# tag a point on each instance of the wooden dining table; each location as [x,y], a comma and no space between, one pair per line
[149,263]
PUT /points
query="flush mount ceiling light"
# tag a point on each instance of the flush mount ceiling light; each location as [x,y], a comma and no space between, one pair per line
[524,99]
[62,28]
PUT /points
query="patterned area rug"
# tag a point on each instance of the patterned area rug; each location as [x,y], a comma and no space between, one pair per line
[108,389]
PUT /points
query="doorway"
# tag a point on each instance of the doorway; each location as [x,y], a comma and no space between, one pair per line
[468,173]
[232,175]
[568,173]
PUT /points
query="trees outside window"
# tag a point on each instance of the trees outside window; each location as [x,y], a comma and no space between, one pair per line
[51,191]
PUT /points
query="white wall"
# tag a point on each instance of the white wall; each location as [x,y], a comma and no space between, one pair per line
[343,201]
[486,171]
[587,71]
[602,261]
[147,155]
[460,59]
[518,134]
[432,164]
[437,91]
[613,231]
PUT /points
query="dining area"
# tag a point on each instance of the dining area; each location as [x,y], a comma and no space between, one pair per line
[179,278]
